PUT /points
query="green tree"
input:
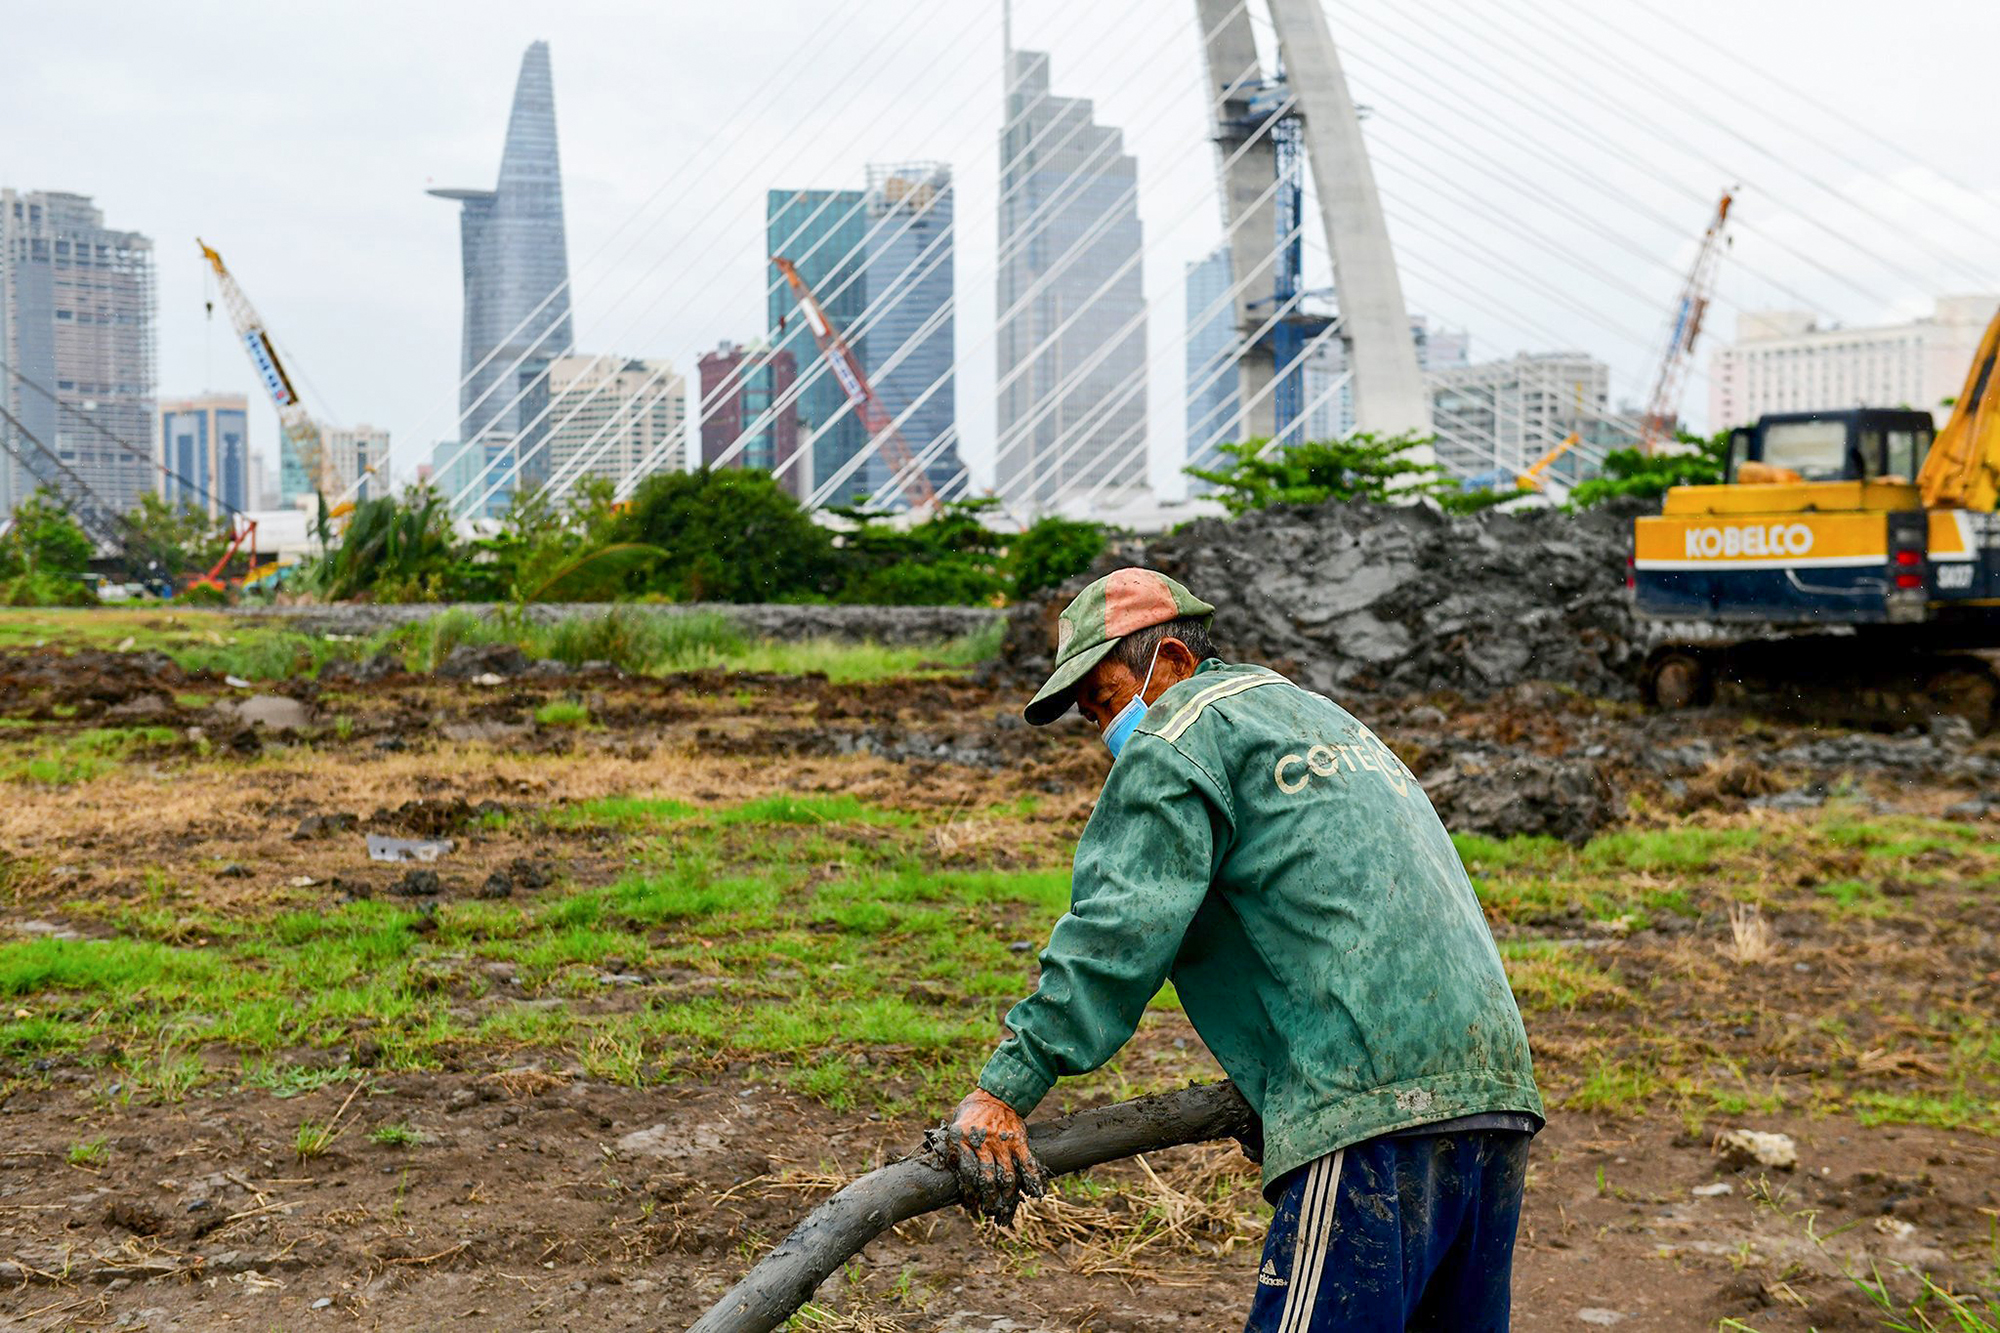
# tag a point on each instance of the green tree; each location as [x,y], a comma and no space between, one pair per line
[1629,473]
[44,555]
[397,548]
[45,538]
[729,535]
[1363,466]
[948,559]
[1052,550]
[173,540]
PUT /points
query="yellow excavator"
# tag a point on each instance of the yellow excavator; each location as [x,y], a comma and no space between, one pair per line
[1848,565]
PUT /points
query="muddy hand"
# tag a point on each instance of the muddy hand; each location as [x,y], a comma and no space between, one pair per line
[988,1149]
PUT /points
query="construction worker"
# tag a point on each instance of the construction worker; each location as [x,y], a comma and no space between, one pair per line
[1258,846]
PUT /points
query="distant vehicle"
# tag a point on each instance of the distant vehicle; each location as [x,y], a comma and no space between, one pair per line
[1848,564]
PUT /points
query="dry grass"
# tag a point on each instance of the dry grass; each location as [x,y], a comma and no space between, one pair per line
[1750,938]
[524,1081]
[1203,1203]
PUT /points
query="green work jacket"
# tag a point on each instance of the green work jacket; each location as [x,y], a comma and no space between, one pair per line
[1264,850]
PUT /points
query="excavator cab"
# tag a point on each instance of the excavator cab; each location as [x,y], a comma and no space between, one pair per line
[1856,444]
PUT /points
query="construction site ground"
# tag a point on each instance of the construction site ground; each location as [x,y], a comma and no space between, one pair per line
[706,945]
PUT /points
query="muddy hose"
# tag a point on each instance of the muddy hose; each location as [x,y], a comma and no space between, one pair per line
[838,1229]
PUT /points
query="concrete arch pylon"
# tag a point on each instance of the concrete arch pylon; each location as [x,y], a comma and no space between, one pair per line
[1389,392]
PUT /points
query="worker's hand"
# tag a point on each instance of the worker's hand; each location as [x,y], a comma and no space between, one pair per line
[987,1146]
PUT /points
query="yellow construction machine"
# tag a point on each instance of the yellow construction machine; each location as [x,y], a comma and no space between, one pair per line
[1848,564]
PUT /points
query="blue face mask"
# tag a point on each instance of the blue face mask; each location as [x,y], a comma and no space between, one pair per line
[1127,721]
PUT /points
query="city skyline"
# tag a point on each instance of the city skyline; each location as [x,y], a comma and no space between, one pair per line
[388,283]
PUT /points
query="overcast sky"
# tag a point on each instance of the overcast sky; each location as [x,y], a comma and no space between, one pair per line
[1546,164]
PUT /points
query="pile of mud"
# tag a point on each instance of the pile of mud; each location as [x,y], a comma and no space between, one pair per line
[1397,598]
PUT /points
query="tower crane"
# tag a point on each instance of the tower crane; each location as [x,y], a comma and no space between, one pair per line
[846,367]
[301,431]
[1663,408]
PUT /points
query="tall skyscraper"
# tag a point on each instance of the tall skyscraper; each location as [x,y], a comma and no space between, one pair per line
[205,450]
[824,233]
[1072,328]
[1212,418]
[747,388]
[76,317]
[910,333]
[613,417]
[516,266]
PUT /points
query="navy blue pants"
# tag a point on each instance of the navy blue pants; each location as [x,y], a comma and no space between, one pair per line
[1396,1234]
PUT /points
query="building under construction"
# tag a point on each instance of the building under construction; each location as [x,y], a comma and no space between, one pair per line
[76,321]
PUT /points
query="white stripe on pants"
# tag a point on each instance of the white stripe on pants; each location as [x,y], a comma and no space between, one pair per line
[1317,1205]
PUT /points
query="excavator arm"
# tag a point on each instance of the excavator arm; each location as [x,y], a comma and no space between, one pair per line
[1963,468]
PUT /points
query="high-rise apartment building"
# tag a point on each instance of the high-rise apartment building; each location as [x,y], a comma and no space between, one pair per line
[205,456]
[355,452]
[749,389]
[1071,410]
[1212,418]
[879,261]
[76,318]
[910,329]
[1783,361]
[1505,415]
[825,234]
[615,417]
[516,270]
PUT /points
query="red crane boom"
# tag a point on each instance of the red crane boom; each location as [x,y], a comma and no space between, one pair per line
[914,481]
[1663,409]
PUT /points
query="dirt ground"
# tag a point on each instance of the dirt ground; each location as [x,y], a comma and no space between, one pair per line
[529,1187]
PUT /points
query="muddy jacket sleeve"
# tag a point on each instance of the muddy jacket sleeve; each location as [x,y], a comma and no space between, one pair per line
[1143,868]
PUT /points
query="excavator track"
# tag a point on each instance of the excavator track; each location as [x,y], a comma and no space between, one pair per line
[1856,680]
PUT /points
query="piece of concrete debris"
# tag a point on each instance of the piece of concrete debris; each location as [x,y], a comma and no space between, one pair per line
[274,711]
[381,847]
[1602,1318]
[1713,1191]
[1755,1147]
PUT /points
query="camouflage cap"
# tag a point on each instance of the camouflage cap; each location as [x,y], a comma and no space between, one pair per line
[1121,602]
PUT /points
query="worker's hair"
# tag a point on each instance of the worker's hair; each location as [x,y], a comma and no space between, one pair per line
[1135,650]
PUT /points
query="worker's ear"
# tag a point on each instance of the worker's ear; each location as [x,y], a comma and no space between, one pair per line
[1176,663]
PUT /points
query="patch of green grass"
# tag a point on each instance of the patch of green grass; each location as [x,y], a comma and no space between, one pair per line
[89,1153]
[1520,853]
[1665,850]
[395,1134]
[563,713]
[787,808]
[1547,975]
[622,812]
[1854,895]
[1616,1086]
[80,757]
[312,1139]
[1958,1110]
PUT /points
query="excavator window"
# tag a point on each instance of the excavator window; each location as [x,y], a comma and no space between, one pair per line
[1739,449]
[1906,450]
[1816,450]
